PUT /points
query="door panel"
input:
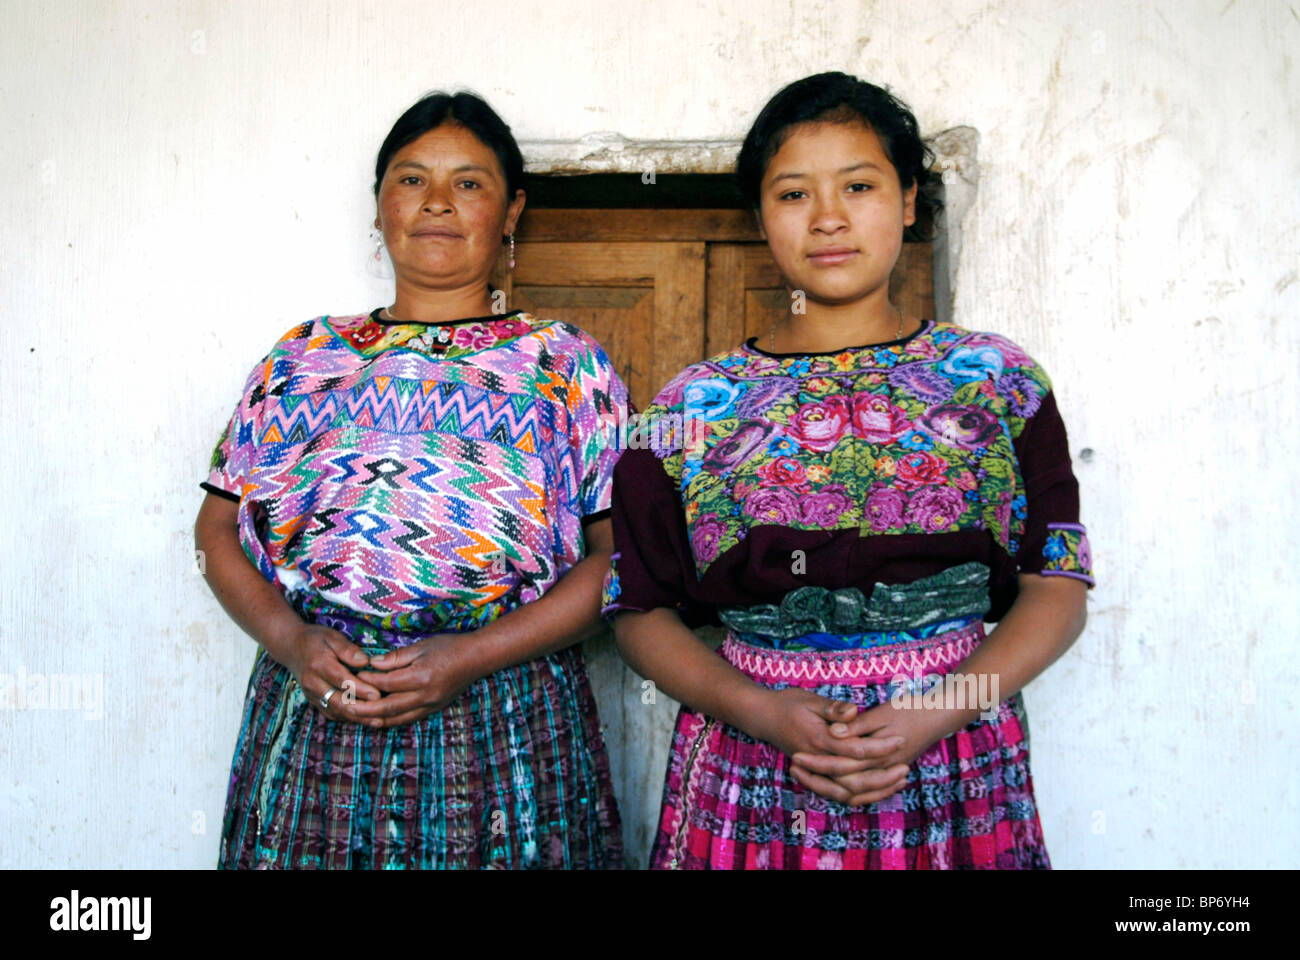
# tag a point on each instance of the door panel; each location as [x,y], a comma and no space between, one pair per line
[644,302]
[663,289]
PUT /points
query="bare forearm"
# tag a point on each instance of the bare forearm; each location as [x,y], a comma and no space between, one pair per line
[659,647]
[566,614]
[250,600]
[1046,619]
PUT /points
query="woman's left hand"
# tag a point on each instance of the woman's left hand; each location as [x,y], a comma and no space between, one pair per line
[918,728]
[416,680]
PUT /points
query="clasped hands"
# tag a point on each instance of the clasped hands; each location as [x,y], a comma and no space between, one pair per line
[856,758]
[840,753]
[387,690]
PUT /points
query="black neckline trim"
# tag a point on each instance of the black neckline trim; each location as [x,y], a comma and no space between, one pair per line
[374,316]
[752,345]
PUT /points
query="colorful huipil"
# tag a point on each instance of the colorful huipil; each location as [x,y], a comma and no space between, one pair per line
[402,480]
[852,519]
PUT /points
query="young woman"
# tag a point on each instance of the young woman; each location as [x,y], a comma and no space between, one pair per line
[408,512]
[852,495]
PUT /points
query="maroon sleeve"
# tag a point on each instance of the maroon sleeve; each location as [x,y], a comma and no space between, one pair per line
[652,564]
[1054,543]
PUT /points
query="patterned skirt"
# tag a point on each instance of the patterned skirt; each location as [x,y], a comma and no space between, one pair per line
[513,774]
[730,803]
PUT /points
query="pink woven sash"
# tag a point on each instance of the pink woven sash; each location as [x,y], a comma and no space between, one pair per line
[812,668]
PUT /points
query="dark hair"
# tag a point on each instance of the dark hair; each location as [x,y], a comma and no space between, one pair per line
[472,113]
[839,98]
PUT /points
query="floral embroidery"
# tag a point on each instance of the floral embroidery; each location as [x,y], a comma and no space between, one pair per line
[610,589]
[473,336]
[877,419]
[706,534]
[710,399]
[446,341]
[913,437]
[972,363]
[961,426]
[819,425]
[1067,552]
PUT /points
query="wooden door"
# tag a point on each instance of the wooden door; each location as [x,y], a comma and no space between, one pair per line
[661,289]
[644,302]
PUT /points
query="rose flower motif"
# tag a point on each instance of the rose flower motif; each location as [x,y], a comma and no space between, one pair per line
[936,508]
[966,364]
[706,535]
[961,426]
[885,507]
[509,327]
[710,399]
[772,505]
[783,472]
[366,334]
[823,508]
[918,469]
[876,419]
[819,426]
[737,447]
[475,336]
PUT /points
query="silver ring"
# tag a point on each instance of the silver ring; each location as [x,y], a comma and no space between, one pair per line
[325,700]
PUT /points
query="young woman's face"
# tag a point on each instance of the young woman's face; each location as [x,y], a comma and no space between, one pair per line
[443,209]
[833,211]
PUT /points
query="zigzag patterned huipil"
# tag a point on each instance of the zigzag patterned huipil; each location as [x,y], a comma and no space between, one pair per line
[436,475]
[398,481]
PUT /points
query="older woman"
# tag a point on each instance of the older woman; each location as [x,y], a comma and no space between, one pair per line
[408,512]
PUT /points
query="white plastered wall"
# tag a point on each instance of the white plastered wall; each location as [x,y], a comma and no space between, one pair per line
[185,181]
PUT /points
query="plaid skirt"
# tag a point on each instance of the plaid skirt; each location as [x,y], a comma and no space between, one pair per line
[513,774]
[729,801]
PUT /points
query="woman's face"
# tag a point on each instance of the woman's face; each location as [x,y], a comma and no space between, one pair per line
[443,209]
[833,212]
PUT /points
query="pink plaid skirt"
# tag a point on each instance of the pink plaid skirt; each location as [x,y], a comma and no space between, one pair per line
[729,802]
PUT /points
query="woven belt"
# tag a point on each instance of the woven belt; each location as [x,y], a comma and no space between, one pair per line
[819,618]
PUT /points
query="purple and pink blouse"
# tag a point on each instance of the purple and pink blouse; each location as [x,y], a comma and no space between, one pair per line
[430,476]
[755,474]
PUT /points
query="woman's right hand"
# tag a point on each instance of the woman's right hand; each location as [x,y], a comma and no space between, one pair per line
[798,721]
[322,659]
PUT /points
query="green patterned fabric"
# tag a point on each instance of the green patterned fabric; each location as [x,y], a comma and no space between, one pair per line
[960,591]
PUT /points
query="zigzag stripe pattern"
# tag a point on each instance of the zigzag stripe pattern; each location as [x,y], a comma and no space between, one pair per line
[405,406]
[395,482]
[813,668]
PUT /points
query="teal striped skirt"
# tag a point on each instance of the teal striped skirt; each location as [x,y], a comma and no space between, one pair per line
[513,774]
